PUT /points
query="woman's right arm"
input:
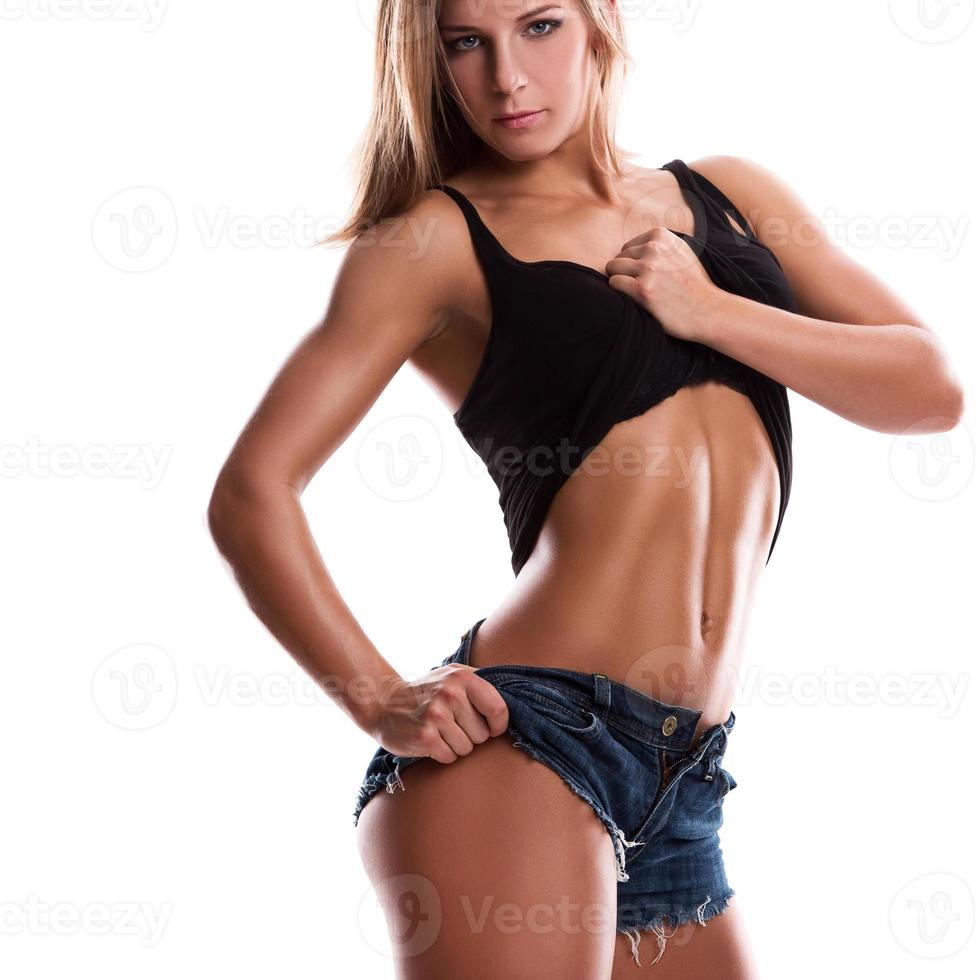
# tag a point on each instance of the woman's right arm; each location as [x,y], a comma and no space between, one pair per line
[390,296]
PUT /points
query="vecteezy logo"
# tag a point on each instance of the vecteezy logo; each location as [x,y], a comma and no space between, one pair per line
[135,230]
[400,458]
[932,21]
[932,465]
[932,916]
[413,919]
[135,687]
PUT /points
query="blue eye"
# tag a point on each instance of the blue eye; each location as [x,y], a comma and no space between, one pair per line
[552,26]
[454,45]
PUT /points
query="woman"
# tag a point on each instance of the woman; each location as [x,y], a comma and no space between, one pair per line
[582,317]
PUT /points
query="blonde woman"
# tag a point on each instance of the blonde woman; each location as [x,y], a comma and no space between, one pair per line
[580,316]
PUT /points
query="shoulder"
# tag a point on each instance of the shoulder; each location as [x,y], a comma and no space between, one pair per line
[411,259]
[766,200]
[743,181]
[827,282]
[420,236]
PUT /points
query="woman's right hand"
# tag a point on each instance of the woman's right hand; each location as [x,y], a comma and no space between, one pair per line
[441,715]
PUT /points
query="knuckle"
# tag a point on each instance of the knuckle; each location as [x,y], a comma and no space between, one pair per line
[428,735]
[446,694]
[436,714]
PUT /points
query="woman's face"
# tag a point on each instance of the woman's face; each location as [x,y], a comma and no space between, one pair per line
[513,56]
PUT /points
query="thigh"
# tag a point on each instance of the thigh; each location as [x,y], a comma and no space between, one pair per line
[491,867]
[677,910]
[719,949]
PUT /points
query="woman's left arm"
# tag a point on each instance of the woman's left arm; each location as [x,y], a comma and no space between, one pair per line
[854,346]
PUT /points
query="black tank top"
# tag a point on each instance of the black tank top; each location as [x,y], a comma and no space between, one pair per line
[568,357]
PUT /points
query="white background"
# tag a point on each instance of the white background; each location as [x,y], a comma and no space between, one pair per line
[176,801]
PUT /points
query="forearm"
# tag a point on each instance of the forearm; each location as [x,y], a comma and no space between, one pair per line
[890,378]
[265,537]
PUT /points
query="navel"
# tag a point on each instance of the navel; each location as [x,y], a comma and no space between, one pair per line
[708,623]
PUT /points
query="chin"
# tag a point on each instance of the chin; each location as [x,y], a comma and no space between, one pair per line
[524,151]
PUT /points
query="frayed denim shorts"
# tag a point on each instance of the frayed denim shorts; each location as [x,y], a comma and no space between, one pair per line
[635,761]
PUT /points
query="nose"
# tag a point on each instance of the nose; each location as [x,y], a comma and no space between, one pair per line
[507,74]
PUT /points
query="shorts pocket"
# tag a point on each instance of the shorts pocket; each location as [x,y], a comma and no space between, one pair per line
[557,705]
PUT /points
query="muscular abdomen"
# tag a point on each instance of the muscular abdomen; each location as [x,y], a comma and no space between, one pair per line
[648,556]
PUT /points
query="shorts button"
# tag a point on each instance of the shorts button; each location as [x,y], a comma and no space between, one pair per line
[670,723]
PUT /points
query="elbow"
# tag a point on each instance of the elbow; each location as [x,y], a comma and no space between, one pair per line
[938,415]
[224,511]
[942,403]
[218,510]
[952,412]
[241,498]
[957,402]
[953,394]
[950,402]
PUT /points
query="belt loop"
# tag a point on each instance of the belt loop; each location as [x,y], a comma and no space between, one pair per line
[601,695]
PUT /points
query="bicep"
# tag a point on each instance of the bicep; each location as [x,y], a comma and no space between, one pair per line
[388,299]
[827,282]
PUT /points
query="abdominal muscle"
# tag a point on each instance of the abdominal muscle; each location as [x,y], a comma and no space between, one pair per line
[646,565]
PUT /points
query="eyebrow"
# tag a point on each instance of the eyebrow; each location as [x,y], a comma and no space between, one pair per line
[530,13]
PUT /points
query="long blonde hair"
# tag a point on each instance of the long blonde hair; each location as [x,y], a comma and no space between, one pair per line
[417,135]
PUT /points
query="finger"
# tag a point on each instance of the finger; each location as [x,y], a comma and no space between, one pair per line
[624,266]
[656,231]
[626,284]
[458,741]
[486,700]
[630,252]
[442,751]
[473,724]
[444,730]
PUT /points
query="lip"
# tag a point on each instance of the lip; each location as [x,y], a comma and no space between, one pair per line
[520,120]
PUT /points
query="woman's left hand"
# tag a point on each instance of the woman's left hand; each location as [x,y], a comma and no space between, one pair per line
[661,272]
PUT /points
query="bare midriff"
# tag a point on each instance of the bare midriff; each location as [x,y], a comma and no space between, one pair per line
[646,565]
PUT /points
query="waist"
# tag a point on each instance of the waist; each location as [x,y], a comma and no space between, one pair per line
[641,655]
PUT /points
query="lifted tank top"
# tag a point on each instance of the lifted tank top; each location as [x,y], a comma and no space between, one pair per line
[568,357]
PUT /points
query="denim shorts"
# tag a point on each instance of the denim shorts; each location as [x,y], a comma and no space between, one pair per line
[635,762]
